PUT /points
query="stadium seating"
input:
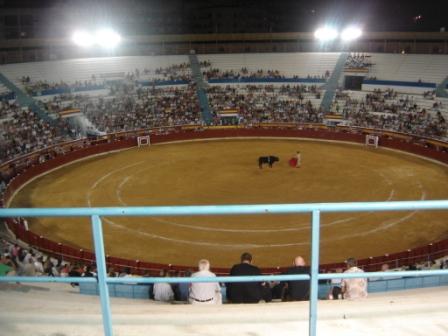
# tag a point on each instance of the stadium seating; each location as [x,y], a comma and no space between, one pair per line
[409,68]
[288,64]
[404,312]
[378,286]
[300,67]
[81,70]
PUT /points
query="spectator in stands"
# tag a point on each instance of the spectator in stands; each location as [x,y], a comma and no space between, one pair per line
[126,273]
[244,292]
[25,267]
[354,288]
[297,290]
[183,289]
[75,272]
[336,287]
[444,264]
[65,270]
[204,292]
[88,272]
[266,292]
[162,290]
[111,273]
[6,265]
[15,251]
[39,266]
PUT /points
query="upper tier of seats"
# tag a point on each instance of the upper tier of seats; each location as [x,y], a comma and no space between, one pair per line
[288,64]
[70,71]
[396,67]
[409,68]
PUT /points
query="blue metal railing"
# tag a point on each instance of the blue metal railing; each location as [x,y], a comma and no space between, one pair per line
[314,208]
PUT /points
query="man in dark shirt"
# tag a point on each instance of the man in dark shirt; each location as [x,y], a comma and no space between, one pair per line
[298,290]
[244,292]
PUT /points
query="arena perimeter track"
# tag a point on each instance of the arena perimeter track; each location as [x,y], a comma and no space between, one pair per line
[226,172]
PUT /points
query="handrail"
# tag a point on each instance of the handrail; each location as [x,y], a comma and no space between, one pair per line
[314,208]
[249,209]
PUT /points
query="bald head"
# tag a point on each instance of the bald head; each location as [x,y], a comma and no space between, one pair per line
[299,261]
[204,265]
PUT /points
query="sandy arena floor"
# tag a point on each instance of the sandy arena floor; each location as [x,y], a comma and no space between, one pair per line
[226,172]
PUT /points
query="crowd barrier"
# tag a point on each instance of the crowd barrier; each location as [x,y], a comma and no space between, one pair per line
[25,168]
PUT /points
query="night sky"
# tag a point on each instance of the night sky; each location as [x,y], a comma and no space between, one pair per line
[281,15]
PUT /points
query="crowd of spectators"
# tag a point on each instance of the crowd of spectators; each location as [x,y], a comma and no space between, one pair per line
[211,73]
[131,108]
[266,103]
[19,261]
[22,131]
[16,260]
[358,61]
[175,72]
[215,73]
[388,110]
[35,88]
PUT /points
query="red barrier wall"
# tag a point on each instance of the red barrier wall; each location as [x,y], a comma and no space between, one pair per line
[421,147]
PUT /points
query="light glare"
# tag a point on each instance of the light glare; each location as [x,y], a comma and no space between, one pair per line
[107,38]
[83,39]
[325,34]
[351,33]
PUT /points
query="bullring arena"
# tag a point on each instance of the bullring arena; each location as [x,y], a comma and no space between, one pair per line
[125,161]
[225,171]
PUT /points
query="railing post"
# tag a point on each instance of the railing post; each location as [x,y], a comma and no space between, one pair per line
[314,281]
[102,274]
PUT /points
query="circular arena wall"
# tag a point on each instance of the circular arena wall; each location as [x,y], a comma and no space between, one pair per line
[433,150]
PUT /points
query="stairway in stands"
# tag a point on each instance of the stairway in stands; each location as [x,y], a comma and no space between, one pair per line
[441,89]
[26,100]
[333,82]
[201,89]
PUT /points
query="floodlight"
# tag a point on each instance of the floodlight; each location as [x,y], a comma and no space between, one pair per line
[107,38]
[326,34]
[83,39]
[351,33]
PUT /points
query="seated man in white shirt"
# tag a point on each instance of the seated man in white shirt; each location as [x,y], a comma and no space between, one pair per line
[204,292]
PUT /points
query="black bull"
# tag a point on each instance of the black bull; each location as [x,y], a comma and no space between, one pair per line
[267,159]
